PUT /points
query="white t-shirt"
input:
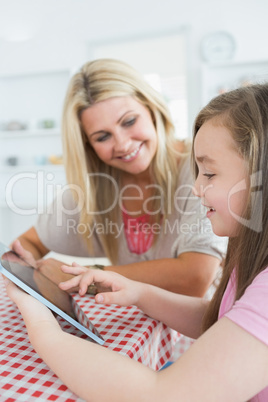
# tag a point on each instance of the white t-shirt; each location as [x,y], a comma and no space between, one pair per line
[185,230]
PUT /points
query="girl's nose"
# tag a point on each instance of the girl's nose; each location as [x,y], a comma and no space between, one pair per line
[197,188]
[200,189]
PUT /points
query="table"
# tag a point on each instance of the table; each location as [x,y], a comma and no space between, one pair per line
[25,377]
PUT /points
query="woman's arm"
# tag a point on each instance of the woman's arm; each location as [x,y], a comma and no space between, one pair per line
[224,364]
[29,247]
[189,274]
[29,241]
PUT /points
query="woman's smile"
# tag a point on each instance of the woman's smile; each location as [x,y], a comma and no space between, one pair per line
[122,133]
[132,155]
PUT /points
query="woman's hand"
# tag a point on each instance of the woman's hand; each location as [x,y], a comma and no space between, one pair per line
[24,254]
[119,290]
[51,268]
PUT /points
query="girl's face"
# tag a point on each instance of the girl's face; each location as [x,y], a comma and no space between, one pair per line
[222,182]
[122,133]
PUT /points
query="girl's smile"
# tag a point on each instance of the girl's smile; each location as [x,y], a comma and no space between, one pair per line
[122,133]
[210,212]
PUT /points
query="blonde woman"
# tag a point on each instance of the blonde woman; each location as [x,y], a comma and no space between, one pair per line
[129,195]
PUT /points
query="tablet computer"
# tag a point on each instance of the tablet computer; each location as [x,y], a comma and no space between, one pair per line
[39,286]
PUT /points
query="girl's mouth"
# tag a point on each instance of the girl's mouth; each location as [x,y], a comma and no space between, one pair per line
[210,212]
[132,155]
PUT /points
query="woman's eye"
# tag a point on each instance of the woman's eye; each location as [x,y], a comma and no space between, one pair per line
[209,175]
[129,122]
[103,137]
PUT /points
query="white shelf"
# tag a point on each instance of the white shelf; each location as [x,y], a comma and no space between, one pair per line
[46,132]
[221,77]
[32,147]
[31,168]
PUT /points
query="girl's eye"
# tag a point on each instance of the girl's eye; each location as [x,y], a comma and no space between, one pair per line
[209,175]
[129,122]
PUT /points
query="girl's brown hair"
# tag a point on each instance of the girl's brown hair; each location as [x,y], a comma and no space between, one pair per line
[244,112]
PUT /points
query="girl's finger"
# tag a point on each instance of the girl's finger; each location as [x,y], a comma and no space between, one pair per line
[118,297]
[85,281]
[71,283]
[74,270]
[5,280]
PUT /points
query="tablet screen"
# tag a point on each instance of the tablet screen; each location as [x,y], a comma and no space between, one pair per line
[39,286]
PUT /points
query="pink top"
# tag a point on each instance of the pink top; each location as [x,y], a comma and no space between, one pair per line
[139,232]
[249,312]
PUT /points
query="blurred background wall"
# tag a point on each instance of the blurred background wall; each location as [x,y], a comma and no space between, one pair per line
[188,50]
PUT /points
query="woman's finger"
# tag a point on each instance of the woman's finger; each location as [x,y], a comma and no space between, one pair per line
[24,254]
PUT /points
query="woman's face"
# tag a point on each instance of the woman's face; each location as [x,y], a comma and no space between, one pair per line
[122,133]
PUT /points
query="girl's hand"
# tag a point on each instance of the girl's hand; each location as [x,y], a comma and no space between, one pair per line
[120,290]
[31,309]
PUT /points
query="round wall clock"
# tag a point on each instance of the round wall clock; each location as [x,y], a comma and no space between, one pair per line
[217,46]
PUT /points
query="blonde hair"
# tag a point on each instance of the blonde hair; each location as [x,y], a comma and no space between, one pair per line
[244,112]
[97,81]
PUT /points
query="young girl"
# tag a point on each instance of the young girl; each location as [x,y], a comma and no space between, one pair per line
[129,196]
[229,359]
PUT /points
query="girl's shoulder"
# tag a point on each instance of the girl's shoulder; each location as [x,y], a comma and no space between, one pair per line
[261,279]
[250,311]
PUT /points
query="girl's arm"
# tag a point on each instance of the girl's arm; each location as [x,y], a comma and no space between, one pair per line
[224,364]
[182,313]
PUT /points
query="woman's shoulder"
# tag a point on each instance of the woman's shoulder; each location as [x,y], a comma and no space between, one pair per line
[184,172]
[183,147]
[183,151]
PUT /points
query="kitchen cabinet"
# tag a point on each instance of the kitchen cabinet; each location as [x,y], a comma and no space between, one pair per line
[28,182]
[221,77]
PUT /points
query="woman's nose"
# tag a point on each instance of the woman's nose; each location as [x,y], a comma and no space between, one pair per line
[122,143]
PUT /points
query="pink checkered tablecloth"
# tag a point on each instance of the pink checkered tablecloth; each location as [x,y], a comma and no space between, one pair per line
[25,377]
[129,331]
